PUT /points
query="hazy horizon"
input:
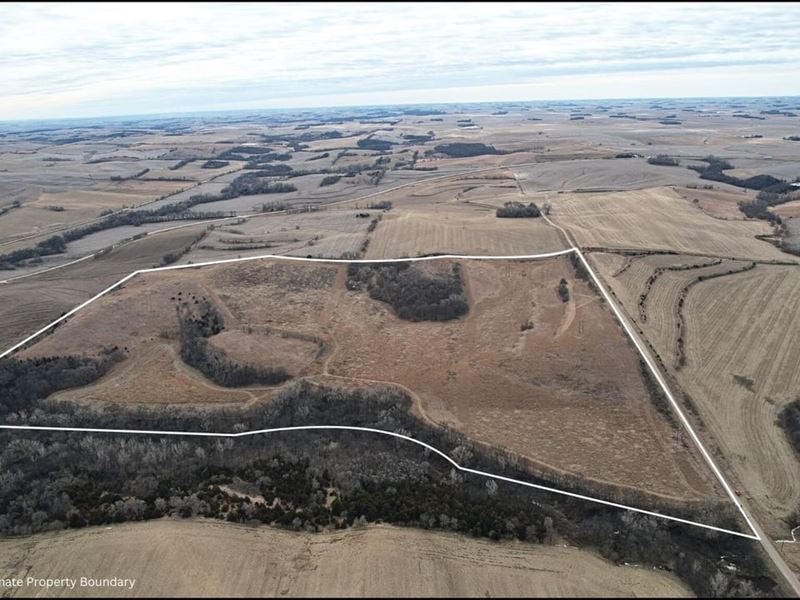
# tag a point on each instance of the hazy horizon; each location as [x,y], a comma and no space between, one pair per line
[72,61]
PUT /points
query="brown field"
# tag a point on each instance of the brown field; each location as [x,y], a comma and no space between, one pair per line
[206,558]
[788,210]
[658,317]
[270,348]
[458,229]
[327,234]
[721,202]
[166,374]
[739,372]
[658,219]
[566,395]
[742,371]
[28,304]
[33,221]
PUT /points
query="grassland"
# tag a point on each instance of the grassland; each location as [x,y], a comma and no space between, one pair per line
[551,392]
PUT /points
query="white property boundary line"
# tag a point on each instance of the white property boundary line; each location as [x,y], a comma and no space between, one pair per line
[262,257]
[654,370]
[570,250]
[382,432]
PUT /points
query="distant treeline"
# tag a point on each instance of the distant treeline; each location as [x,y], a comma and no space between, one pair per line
[375,144]
[465,149]
[715,167]
[57,244]
[663,160]
[772,191]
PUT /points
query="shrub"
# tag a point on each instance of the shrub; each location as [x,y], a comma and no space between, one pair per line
[215,164]
[789,418]
[563,290]
[329,180]
[663,160]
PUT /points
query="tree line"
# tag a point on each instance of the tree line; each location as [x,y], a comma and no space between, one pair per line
[314,481]
[203,320]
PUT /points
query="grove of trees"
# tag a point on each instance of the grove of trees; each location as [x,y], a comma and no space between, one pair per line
[517,210]
[413,294]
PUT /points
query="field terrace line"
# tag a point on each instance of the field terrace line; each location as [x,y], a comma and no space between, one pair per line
[572,249]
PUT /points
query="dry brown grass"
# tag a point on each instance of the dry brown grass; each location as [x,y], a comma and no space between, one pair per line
[28,304]
[269,348]
[566,395]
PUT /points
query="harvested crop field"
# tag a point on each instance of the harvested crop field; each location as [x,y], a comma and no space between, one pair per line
[719,203]
[658,219]
[554,382]
[738,368]
[651,287]
[458,229]
[742,369]
[327,234]
[202,558]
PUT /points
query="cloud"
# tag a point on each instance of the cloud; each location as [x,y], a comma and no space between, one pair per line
[86,60]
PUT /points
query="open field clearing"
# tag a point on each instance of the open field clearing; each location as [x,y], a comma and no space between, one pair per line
[169,380]
[788,210]
[458,229]
[554,382]
[738,368]
[268,346]
[198,558]
[658,219]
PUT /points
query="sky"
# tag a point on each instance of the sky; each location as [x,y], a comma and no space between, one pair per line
[91,60]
